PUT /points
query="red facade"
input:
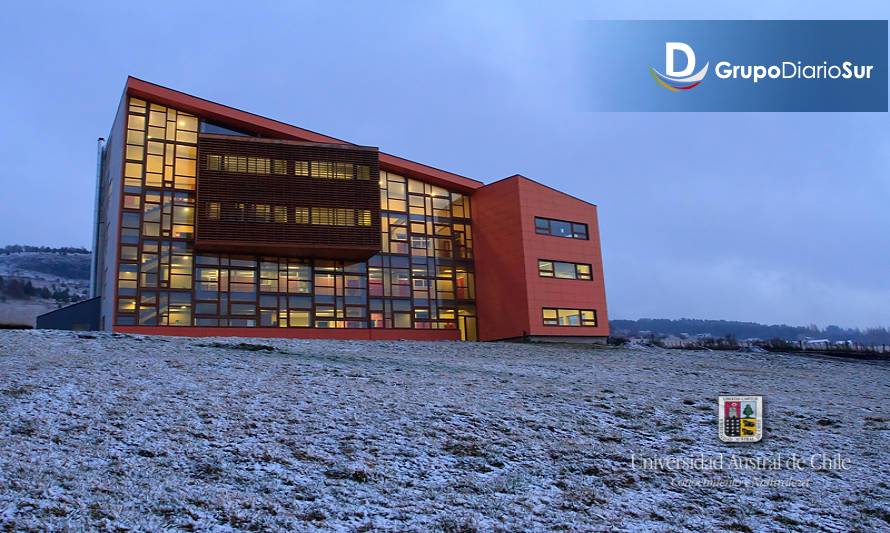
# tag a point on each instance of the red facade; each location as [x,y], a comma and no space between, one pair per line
[511,293]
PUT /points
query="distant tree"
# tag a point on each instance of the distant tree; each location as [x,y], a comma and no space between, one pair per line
[15,289]
[62,295]
[18,248]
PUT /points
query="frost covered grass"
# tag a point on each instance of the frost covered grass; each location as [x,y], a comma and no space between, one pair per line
[125,432]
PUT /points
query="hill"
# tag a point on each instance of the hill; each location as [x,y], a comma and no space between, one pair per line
[744,330]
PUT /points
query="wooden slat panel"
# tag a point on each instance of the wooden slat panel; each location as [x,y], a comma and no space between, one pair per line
[290,191]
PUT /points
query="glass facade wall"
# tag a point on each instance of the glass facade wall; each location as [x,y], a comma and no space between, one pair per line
[423,278]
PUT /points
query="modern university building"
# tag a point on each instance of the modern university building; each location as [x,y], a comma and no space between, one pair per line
[216,221]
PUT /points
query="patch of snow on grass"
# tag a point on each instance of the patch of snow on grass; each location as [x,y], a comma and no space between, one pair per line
[105,431]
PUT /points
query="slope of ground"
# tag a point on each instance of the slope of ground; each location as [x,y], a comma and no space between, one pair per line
[107,431]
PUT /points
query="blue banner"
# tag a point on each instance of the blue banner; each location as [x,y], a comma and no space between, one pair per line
[736,65]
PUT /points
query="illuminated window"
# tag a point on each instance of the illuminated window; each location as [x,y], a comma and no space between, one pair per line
[137,105]
[322,169]
[258,165]
[301,168]
[188,152]
[185,167]
[136,122]
[214,162]
[323,216]
[280,213]
[569,317]
[187,122]
[363,172]
[213,210]
[183,215]
[279,166]
[343,171]
[301,215]
[134,152]
[135,137]
[126,305]
[234,163]
[344,217]
[563,270]
[154,163]
[298,319]
[262,213]
[364,217]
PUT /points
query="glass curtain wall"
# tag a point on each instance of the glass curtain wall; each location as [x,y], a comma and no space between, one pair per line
[423,278]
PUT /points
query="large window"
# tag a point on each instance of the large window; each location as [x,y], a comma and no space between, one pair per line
[554,316]
[563,270]
[560,228]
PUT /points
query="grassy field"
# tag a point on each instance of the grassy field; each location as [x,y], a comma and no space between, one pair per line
[107,431]
[24,312]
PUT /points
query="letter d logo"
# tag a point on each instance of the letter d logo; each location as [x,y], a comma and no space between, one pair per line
[669,49]
[682,80]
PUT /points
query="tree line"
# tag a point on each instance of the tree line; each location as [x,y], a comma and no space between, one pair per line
[24,290]
[746,330]
[19,248]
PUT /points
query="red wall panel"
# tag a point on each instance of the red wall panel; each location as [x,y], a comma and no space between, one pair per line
[510,292]
[501,299]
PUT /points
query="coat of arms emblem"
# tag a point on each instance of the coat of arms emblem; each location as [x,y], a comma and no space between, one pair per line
[741,418]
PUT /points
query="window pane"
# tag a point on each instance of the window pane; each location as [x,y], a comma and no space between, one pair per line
[545,268]
[561,229]
[579,231]
[569,317]
[565,270]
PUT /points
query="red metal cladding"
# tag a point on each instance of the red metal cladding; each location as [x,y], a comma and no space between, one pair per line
[510,292]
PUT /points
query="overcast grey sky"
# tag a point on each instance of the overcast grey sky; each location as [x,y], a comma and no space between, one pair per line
[768,217]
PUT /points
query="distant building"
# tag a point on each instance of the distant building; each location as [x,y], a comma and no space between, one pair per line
[216,221]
